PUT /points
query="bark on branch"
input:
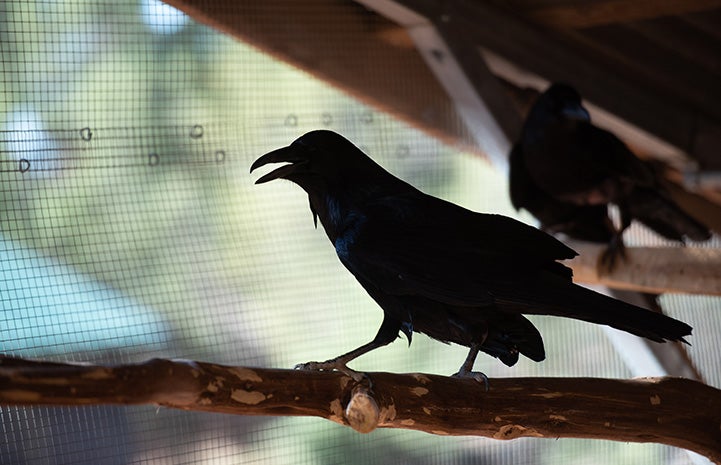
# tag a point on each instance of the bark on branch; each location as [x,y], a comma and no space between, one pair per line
[673,411]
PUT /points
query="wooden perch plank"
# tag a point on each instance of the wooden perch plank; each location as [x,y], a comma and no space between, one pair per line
[671,411]
[687,270]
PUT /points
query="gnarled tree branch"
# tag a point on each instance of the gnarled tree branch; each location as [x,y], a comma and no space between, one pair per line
[673,411]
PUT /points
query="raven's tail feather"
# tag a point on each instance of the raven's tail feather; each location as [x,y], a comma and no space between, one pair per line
[552,297]
[662,215]
[514,335]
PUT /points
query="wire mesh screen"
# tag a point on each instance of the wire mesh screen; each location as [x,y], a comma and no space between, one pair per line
[130,229]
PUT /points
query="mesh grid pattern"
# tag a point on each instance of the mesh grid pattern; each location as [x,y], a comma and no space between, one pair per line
[130,228]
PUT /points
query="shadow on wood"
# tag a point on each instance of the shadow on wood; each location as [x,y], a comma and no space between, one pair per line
[673,411]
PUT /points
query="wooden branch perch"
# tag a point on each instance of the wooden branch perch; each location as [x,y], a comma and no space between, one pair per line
[687,270]
[671,411]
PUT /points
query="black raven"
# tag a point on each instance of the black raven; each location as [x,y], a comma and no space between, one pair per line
[439,269]
[565,171]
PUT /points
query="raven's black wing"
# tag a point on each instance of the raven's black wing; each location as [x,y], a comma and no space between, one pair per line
[586,222]
[603,151]
[418,245]
[583,164]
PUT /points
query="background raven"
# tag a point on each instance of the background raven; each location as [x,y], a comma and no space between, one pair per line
[565,171]
[439,269]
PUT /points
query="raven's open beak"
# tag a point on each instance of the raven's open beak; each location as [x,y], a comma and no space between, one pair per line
[282,155]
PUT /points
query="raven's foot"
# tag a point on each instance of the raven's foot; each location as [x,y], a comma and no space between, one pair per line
[477,375]
[337,365]
[466,370]
[609,258]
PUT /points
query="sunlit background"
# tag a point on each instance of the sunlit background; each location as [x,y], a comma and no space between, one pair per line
[130,228]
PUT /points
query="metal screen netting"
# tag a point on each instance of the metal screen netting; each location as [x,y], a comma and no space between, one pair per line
[130,229]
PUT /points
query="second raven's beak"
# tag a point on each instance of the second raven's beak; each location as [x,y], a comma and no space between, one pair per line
[576,112]
[288,155]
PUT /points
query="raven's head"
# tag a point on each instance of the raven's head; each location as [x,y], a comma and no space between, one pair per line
[564,102]
[559,106]
[321,162]
[330,169]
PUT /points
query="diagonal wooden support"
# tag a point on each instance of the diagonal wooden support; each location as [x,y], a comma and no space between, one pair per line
[479,97]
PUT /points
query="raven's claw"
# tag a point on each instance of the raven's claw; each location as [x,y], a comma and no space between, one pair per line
[333,364]
[477,375]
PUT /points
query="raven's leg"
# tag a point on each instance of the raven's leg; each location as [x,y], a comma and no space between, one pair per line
[616,249]
[467,366]
[387,333]
[466,370]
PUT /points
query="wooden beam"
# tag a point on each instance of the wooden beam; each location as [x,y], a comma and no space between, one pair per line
[677,412]
[574,14]
[658,270]
[347,46]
